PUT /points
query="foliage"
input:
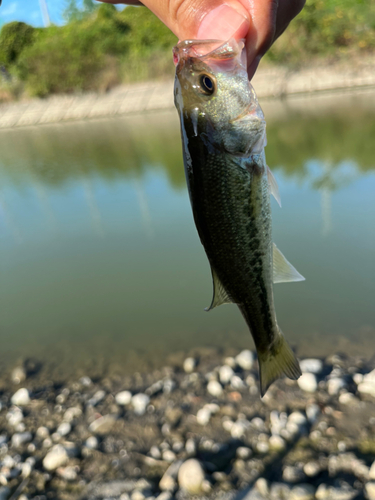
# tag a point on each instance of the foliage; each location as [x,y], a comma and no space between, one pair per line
[100,46]
[327,28]
[14,38]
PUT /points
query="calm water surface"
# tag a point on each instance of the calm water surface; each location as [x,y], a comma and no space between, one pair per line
[101,266]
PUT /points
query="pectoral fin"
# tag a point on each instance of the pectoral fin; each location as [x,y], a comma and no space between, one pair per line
[220,294]
[273,187]
[283,271]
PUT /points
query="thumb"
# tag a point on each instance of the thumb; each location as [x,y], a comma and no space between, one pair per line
[202,19]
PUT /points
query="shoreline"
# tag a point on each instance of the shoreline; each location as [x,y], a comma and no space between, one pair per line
[132,437]
[270,82]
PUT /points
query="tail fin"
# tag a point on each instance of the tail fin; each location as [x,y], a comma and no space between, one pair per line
[281,361]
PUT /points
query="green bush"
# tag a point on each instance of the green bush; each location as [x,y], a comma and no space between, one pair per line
[14,37]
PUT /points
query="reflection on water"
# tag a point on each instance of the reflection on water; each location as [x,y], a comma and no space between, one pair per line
[101,265]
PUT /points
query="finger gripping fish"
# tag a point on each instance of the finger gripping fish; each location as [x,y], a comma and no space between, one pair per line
[224,134]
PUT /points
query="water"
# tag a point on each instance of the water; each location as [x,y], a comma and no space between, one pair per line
[101,267]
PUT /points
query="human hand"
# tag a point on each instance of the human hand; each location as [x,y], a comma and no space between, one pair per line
[260,22]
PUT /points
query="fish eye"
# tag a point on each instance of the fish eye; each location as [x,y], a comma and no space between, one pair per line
[207,84]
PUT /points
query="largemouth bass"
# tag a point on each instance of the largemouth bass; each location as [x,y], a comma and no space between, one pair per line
[223,136]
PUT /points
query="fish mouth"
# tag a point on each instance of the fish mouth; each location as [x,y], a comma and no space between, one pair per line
[203,50]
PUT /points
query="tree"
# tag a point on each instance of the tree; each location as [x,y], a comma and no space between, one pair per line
[71,12]
[88,6]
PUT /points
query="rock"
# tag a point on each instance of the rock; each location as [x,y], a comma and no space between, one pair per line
[302,492]
[165,495]
[42,432]
[293,474]
[72,413]
[334,385]
[279,491]
[277,443]
[245,359]
[214,388]
[225,374]
[64,428]
[244,452]
[307,382]
[203,416]
[347,398]
[325,492]
[103,425]
[92,443]
[168,456]
[14,416]
[357,378]
[18,375]
[168,481]
[123,398]
[371,474]
[237,383]
[21,397]
[140,402]
[239,428]
[97,398]
[21,438]
[190,446]
[312,412]
[311,469]
[67,473]
[55,458]
[367,388]
[85,381]
[230,361]
[191,476]
[4,493]
[311,365]
[370,490]
[189,365]
[261,485]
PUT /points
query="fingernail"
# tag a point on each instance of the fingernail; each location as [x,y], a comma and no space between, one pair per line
[223,23]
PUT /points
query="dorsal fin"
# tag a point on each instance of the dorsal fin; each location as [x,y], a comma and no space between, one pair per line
[273,187]
[220,294]
[283,271]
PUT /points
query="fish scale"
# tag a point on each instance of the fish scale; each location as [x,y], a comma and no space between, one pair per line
[223,134]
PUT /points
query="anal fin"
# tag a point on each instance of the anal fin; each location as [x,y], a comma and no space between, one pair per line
[220,295]
[283,271]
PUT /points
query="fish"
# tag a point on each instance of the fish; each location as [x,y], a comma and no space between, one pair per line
[223,133]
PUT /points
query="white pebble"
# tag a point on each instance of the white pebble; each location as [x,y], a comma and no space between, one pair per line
[312,412]
[140,402]
[203,416]
[243,452]
[358,378]
[237,383]
[302,492]
[169,456]
[191,476]
[21,397]
[214,388]
[72,413]
[277,443]
[14,416]
[21,438]
[311,365]
[307,382]
[123,398]
[55,458]
[245,359]
[371,474]
[189,365]
[92,443]
[225,374]
[64,428]
[230,361]
[239,428]
[334,385]
[370,490]
[347,398]
[42,432]
[18,375]
[367,388]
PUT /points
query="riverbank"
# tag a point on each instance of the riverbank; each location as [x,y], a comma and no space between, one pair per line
[269,82]
[195,430]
